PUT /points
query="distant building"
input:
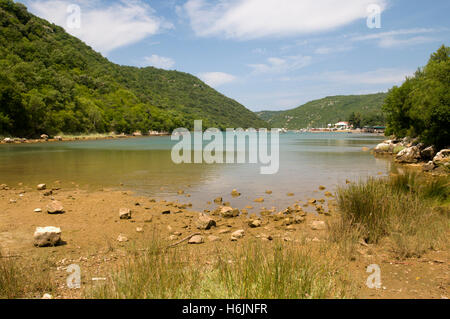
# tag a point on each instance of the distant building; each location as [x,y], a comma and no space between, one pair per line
[342,125]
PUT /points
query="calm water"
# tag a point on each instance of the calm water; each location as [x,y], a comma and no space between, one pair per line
[307,160]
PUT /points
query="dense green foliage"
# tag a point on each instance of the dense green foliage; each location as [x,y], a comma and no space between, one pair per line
[51,82]
[329,110]
[421,106]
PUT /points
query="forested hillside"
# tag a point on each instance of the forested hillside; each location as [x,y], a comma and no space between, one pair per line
[420,107]
[330,110]
[51,82]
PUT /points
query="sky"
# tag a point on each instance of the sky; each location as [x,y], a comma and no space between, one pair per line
[266,54]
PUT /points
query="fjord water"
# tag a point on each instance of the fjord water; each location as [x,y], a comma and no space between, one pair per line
[144,165]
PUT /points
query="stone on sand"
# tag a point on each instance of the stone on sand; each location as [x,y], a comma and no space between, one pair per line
[55,207]
[204,222]
[196,240]
[125,213]
[47,236]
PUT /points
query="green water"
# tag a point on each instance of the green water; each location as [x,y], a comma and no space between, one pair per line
[144,165]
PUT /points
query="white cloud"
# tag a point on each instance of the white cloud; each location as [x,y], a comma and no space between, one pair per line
[251,19]
[388,76]
[159,62]
[216,79]
[381,76]
[281,65]
[103,27]
[331,50]
[395,38]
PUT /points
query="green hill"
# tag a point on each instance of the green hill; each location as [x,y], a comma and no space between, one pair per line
[52,82]
[329,110]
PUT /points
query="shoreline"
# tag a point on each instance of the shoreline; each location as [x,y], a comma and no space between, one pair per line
[94,137]
[99,137]
[96,237]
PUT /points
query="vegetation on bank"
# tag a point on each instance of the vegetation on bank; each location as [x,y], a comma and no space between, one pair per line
[51,82]
[256,271]
[330,110]
[20,280]
[410,211]
[421,106]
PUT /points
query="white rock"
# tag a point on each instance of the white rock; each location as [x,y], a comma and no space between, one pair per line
[196,240]
[125,213]
[122,238]
[442,158]
[318,225]
[41,187]
[38,210]
[55,207]
[47,296]
[47,236]
[408,155]
[238,234]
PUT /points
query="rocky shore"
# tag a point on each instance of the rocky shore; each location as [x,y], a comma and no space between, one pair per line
[45,138]
[411,151]
[100,230]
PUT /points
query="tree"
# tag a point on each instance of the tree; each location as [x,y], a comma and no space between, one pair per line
[421,106]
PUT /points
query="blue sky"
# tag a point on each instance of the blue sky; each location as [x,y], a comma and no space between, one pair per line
[266,54]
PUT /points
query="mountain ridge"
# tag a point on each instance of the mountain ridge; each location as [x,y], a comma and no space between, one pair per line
[328,110]
[52,82]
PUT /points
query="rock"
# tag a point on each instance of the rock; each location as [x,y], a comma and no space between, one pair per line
[124,213]
[384,147]
[218,200]
[38,210]
[312,201]
[8,140]
[196,240]
[259,200]
[442,158]
[268,192]
[173,237]
[47,236]
[41,187]
[58,138]
[204,222]
[318,225]
[409,155]
[266,237]
[4,187]
[255,223]
[235,193]
[139,230]
[228,212]
[47,296]
[427,154]
[214,238]
[428,167]
[224,231]
[322,188]
[238,234]
[122,238]
[44,137]
[55,207]
[48,193]
[290,194]
[166,212]
[365,149]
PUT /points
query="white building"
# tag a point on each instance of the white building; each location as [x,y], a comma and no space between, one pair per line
[342,125]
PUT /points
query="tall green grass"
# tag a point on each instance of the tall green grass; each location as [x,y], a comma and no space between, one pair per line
[400,208]
[251,272]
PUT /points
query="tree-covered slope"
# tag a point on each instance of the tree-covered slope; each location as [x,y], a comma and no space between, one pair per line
[52,82]
[330,110]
